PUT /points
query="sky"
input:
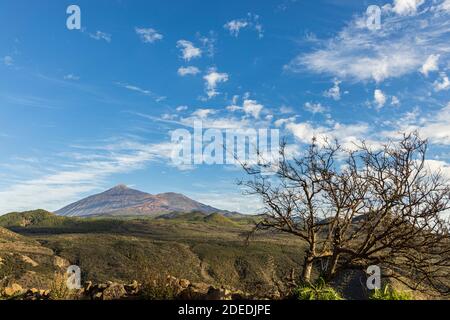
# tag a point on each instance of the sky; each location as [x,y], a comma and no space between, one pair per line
[82,110]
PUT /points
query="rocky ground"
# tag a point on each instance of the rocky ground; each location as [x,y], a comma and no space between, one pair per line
[174,288]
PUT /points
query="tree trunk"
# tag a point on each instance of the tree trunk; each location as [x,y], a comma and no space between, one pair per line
[307,269]
[331,272]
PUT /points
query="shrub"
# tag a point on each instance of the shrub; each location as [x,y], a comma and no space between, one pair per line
[59,289]
[159,287]
[317,291]
[388,293]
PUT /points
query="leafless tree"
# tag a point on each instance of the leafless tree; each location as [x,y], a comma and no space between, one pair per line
[368,206]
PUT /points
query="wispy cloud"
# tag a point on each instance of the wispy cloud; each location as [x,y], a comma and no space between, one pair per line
[99,35]
[190,70]
[145,92]
[410,33]
[188,50]
[379,98]
[443,83]
[346,134]
[434,125]
[87,170]
[251,21]
[71,76]
[8,60]
[315,107]
[335,91]
[431,64]
[212,79]
[148,35]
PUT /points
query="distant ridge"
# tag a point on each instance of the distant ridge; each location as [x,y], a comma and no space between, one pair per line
[124,201]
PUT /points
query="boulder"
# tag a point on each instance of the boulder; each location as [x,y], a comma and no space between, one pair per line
[132,288]
[115,291]
[14,289]
[184,283]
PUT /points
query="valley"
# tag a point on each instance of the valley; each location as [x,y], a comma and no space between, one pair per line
[195,246]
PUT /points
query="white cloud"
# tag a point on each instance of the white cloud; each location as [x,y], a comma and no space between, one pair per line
[188,50]
[286,109]
[431,64]
[213,78]
[444,84]
[203,113]
[145,92]
[334,92]
[99,35]
[315,107]
[435,166]
[406,7]
[71,76]
[181,108]
[168,116]
[347,135]
[434,126]
[84,172]
[233,108]
[445,5]
[208,43]
[251,21]
[148,35]
[253,108]
[399,48]
[249,107]
[280,122]
[234,26]
[395,101]
[8,61]
[190,70]
[379,98]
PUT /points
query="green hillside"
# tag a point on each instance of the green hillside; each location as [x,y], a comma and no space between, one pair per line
[197,247]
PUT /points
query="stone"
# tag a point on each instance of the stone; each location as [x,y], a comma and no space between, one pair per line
[184,283]
[13,290]
[30,261]
[102,286]
[97,296]
[114,292]
[60,262]
[132,288]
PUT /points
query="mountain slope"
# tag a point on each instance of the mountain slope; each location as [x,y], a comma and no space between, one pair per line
[25,261]
[125,201]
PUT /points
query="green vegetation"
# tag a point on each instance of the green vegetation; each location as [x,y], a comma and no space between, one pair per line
[27,218]
[59,289]
[158,287]
[317,291]
[201,248]
[389,293]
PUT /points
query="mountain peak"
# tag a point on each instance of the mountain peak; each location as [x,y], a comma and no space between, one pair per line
[121,200]
[120,187]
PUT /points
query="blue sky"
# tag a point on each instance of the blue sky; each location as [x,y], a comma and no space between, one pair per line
[84,110]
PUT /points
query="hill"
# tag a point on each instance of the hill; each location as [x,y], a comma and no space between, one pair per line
[25,261]
[124,201]
[207,248]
